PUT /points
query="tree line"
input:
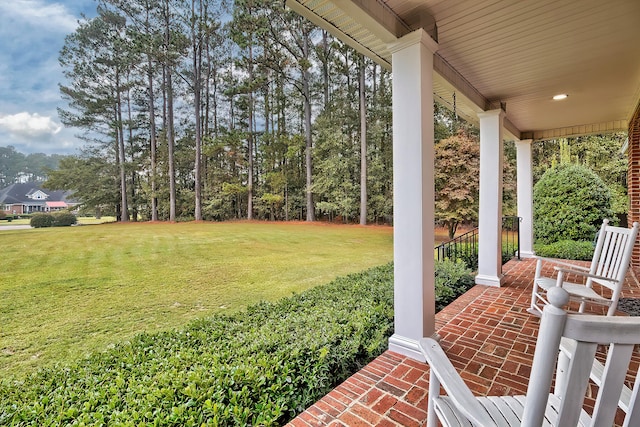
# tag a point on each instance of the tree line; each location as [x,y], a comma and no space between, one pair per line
[204,109]
[217,110]
[18,167]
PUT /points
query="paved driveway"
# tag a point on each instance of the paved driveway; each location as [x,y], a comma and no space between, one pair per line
[14,227]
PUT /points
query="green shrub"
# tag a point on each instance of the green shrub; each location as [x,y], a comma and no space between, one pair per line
[567,249]
[41,220]
[63,219]
[261,366]
[452,280]
[468,254]
[569,203]
[465,252]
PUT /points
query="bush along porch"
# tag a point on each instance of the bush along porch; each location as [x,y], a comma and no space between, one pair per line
[261,366]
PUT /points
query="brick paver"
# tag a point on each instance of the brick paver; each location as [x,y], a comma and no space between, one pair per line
[489,337]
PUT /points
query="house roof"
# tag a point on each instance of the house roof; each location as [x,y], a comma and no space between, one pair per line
[56,204]
[18,194]
[519,54]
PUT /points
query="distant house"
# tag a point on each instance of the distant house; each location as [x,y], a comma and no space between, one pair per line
[30,197]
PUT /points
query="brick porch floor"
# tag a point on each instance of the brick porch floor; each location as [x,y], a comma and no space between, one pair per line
[488,335]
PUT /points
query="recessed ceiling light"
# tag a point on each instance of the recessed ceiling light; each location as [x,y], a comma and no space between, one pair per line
[560,96]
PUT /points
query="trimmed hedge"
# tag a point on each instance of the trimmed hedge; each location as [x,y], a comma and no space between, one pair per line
[41,220]
[261,366]
[567,249]
[55,219]
[64,219]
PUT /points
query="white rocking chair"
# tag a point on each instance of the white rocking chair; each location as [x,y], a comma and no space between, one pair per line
[563,407]
[609,266]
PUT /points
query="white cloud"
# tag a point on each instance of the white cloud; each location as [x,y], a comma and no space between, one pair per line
[39,14]
[31,35]
[28,126]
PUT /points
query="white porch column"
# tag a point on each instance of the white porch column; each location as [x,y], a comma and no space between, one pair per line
[524,159]
[413,192]
[490,209]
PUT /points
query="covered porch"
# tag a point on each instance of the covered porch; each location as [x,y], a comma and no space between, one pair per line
[488,335]
[500,65]
[523,71]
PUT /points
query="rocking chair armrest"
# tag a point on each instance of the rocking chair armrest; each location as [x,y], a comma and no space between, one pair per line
[561,262]
[583,273]
[457,391]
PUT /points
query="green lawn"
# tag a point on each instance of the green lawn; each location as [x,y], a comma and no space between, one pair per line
[66,292]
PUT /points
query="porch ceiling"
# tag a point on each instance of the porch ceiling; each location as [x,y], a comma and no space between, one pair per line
[519,53]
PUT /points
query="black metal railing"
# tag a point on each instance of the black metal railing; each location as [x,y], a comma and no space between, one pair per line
[510,237]
[465,246]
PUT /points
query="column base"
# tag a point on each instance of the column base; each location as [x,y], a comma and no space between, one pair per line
[489,280]
[527,254]
[408,347]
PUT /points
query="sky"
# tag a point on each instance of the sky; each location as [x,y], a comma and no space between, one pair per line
[32,33]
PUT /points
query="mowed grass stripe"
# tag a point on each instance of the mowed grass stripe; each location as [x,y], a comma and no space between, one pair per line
[66,292]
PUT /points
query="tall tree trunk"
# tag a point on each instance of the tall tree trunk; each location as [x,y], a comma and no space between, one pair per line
[347,67]
[124,212]
[207,79]
[169,122]
[197,69]
[134,204]
[267,105]
[325,67]
[363,146]
[374,81]
[307,130]
[152,143]
[232,119]
[214,81]
[206,132]
[171,148]
[250,142]
[281,123]
[165,121]
[116,149]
